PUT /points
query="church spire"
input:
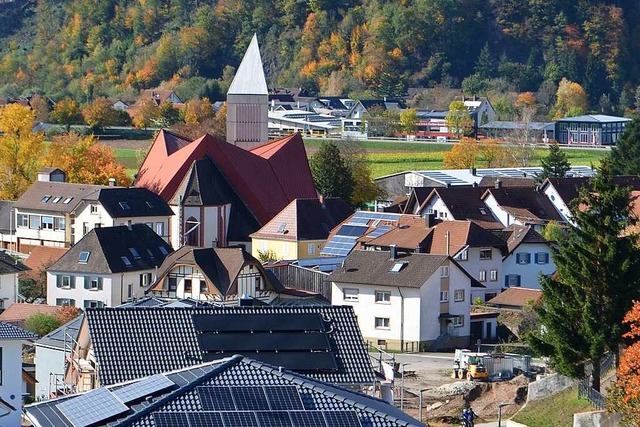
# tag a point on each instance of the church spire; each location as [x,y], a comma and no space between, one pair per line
[249,79]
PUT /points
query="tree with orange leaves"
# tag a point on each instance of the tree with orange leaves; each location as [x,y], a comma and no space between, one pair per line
[625,394]
[462,155]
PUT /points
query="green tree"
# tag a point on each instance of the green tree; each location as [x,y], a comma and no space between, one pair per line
[625,156]
[555,165]
[379,121]
[42,323]
[598,277]
[331,173]
[458,119]
[66,112]
[409,120]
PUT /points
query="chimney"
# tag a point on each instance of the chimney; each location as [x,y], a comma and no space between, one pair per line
[474,185]
[472,171]
[392,252]
[498,183]
[112,182]
[448,184]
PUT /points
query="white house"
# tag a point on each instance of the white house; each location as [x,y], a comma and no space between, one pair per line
[11,341]
[9,271]
[108,207]
[107,267]
[52,351]
[529,256]
[407,301]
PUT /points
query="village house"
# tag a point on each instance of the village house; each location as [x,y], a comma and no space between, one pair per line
[406,301]
[10,270]
[107,267]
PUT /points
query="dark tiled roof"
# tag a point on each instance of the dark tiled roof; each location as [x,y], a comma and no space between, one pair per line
[6,223]
[374,268]
[133,202]
[306,219]
[190,394]
[8,265]
[134,342]
[515,234]
[11,332]
[525,203]
[35,198]
[107,246]
[66,333]
[464,203]
[568,188]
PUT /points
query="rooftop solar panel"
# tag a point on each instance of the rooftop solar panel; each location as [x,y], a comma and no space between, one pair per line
[249,398]
[352,230]
[273,419]
[307,419]
[283,398]
[258,322]
[92,407]
[342,418]
[205,419]
[216,398]
[143,388]
[379,231]
[170,419]
[239,419]
[264,341]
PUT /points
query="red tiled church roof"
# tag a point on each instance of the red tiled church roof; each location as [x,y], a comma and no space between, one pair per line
[267,178]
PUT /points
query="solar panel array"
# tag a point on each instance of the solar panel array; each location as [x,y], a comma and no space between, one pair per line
[91,408]
[444,178]
[258,419]
[345,239]
[379,231]
[339,246]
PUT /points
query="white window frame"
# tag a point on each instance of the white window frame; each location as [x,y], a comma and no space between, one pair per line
[546,258]
[458,295]
[46,223]
[444,296]
[68,280]
[463,255]
[160,228]
[489,251]
[458,321]
[382,297]
[444,271]
[482,276]
[350,294]
[311,248]
[382,323]
[493,275]
[94,283]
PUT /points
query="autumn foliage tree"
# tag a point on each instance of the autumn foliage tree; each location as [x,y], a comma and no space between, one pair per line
[20,150]
[462,155]
[571,100]
[458,119]
[66,112]
[198,110]
[85,160]
[99,114]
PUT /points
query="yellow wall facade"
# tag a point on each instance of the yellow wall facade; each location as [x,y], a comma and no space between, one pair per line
[286,249]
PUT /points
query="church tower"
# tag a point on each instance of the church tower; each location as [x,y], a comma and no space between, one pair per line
[248,102]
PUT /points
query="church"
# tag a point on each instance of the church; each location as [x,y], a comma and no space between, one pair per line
[222,191]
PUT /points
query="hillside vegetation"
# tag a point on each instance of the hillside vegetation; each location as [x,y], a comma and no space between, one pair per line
[91,48]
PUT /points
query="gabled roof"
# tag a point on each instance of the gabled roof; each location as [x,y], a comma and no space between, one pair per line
[507,181]
[515,235]
[8,265]
[464,203]
[40,258]
[193,396]
[516,297]
[306,219]
[220,266]
[158,95]
[569,187]
[525,204]
[107,248]
[249,79]
[18,312]
[375,268]
[266,178]
[64,335]
[58,197]
[132,202]
[6,223]
[134,342]
[11,332]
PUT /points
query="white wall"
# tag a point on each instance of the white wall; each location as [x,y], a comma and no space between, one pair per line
[529,273]
[474,265]
[8,289]
[436,204]
[558,203]
[504,218]
[11,387]
[48,361]
[39,234]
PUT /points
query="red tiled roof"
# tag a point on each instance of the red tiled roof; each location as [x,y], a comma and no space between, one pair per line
[266,178]
[18,312]
[516,297]
[41,257]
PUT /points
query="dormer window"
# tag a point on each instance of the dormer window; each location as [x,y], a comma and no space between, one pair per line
[83,257]
[45,199]
[124,206]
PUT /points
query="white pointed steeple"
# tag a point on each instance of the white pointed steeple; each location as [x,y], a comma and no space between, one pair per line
[248,101]
[249,79]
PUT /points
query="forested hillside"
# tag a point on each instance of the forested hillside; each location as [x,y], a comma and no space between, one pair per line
[91,48]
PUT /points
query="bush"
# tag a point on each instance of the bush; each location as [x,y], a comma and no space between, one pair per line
[42,323]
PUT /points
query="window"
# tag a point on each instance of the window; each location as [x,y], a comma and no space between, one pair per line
[542,258]
[382,323]
[485,253]
[173,284]
[135,253]
[59,223]
[482,275]
[187,285]
[66,281]
[463,255]
[444,271]
[47,223]
[146,279]
[34,222]
[523,258]
[23,220]
[512,280]
[124,206]
[129,291]
[203,286]
[397,267]
[93,304]
[350,294]
[458,295]
[66,301]
[163,250]
[160,228]
[493,276]
[84,257]
[311,248]
[458,321]
[383,296]
[85,228]
[67,200]
[94,283]
[94,209]
[126,261]
[444,296]
[45,199]
[56,200]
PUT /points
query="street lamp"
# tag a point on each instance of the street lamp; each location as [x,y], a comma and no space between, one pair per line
[500,406]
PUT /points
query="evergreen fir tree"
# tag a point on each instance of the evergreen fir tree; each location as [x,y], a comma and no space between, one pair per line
[555,165]
[331,173]
[625,156]
[484,65]
[598,277]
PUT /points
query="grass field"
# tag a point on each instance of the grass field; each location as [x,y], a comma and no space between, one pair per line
[556,410]
[391,157]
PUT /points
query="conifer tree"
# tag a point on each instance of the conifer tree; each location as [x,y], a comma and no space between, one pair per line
[598,277]
[331,174]
[555,165]
[625,156]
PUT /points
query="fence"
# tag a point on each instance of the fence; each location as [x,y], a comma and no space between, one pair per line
[584,386]
[306,279]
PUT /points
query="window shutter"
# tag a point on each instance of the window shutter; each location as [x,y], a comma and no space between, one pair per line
[506,280]
[58,281]
[72,282]
[537,258]
[518,277]
[142,279]
[527,258]
[99,283]
[546,258]
[87,282]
